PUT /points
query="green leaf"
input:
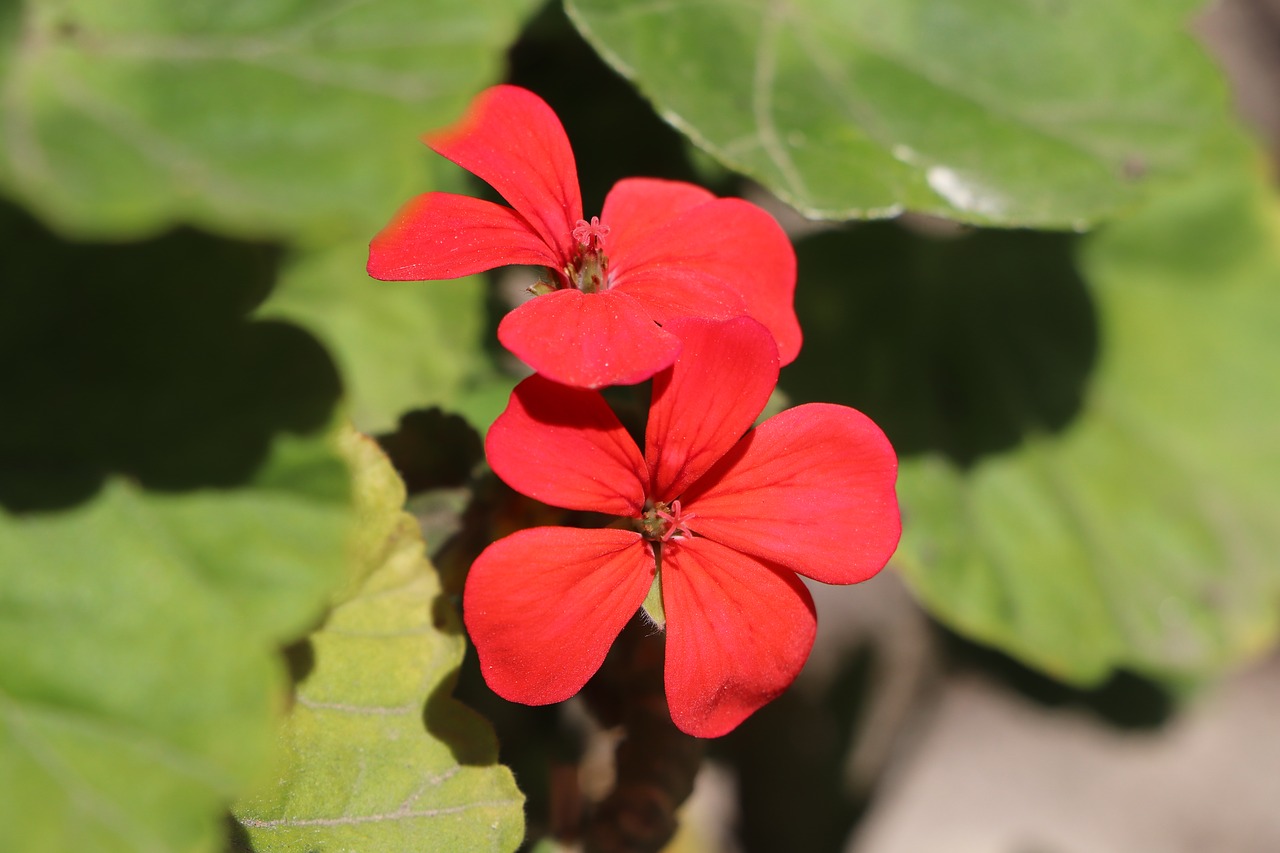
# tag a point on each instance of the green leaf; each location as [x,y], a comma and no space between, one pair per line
[171,510]
[1089,472]
[376,754]
[249,117]
[138,671]
[1050,113]
[399,345]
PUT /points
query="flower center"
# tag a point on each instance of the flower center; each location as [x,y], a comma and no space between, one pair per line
[664,521]
[588,271]
[588,267]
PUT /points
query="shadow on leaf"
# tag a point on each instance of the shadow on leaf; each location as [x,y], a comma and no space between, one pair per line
[300,660]
[141,360]
[432,449]
[1126,700]
[236,837]
[962,345]
[465,732]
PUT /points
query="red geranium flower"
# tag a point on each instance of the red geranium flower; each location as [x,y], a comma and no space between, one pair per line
[725,517]
[659,250]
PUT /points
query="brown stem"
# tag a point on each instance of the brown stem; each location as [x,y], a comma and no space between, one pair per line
[656,762]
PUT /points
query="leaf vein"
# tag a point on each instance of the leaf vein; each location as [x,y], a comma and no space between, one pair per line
[153,144]
[85,799]
[397,815]
[762,105]
[365,710]
[23,144]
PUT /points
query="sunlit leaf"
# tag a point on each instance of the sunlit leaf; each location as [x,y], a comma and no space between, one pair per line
[1053,112]
[138,666]
[376,754]
[248,116]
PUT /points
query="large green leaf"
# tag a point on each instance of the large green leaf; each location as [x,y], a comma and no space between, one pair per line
[248,116]
[171,510]
[1052,112]
[1089,472]
[376,754]
[399,345]
[138,674]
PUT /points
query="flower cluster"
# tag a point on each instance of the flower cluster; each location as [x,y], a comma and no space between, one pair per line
[718,517]
[659,250]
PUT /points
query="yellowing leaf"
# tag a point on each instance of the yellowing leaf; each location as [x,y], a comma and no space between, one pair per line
[376,754]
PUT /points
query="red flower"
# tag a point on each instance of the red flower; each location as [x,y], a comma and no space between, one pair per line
[729,514]
[659,250]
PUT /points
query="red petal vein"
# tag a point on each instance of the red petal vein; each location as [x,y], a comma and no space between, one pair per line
[722,245]
[738,632]
[812,489]
[707,400]
[636,207]
[512,140]
[588,340]
[543,606]
[565,447]
[441,235]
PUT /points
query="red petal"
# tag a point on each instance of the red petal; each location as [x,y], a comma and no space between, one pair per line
[588,340]
[738,632]
[811,488]
[723,246]
[565,447]
[512,140]
[670,297]
[635,207]
[543,606]
[709,398]
[441,235]
[634,210]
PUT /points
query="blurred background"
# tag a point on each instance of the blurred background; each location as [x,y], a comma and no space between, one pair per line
[1040,246]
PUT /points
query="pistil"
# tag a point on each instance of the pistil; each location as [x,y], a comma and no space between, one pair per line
[589,270]
[666,521]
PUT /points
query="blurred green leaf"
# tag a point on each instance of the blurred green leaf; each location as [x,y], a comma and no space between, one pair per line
[248,117]
[484,399]
[171,510]
[1151,526]
[399,345]
[1051,113]
[376,753]
[139,677]
[1089,475]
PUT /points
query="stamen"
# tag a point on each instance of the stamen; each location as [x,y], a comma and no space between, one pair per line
[677,521]
[590,235]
